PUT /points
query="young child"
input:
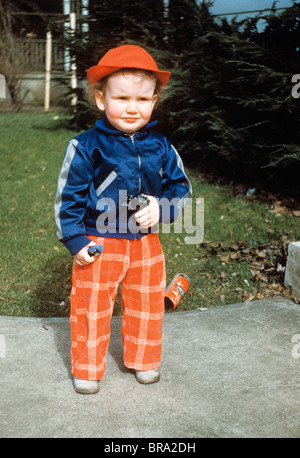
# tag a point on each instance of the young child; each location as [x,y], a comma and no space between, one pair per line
[120,157]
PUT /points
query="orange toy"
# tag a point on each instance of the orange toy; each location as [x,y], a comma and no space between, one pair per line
[176,290]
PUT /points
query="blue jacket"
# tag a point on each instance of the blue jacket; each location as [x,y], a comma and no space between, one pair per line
[100,167]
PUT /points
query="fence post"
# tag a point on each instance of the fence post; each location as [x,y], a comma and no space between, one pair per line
[67,58]
[85,12]
[48,70]
[73,61]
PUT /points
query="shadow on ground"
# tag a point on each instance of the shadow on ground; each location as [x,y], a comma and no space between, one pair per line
[51,295]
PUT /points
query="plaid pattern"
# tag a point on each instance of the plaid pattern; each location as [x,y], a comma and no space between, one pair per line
[139,265]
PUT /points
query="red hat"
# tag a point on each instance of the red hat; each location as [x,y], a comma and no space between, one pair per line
[125,56]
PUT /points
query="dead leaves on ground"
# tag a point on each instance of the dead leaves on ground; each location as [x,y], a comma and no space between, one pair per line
[267,267]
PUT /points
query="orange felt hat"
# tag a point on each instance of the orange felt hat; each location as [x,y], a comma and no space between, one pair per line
[125,56]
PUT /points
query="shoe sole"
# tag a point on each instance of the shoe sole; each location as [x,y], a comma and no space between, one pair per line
[143,382]
[86,392]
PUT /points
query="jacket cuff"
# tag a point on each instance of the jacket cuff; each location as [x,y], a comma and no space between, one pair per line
[75,244]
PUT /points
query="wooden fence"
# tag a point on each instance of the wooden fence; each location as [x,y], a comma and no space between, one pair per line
[34,52]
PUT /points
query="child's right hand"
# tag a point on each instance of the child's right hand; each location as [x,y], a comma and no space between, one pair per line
[83,258]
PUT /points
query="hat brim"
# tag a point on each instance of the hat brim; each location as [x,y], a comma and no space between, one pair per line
[96,73]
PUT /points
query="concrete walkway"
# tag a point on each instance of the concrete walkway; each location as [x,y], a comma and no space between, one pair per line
[231,371]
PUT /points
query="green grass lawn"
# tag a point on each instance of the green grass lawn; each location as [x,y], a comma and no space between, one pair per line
[237,260]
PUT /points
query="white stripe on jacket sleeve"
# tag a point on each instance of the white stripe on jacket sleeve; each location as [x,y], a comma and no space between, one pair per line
[187,181]
[62,179]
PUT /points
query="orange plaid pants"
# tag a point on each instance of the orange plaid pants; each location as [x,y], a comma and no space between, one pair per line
[140,267]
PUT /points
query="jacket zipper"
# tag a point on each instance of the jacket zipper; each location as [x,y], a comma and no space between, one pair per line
[139,159]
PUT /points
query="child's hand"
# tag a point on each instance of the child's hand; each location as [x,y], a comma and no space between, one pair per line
[82,257]
[148,216]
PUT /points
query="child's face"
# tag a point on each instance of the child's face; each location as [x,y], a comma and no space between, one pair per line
[128,100]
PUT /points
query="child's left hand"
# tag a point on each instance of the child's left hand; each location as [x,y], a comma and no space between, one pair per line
[149,215]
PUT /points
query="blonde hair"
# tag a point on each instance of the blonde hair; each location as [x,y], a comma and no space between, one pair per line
[91,90]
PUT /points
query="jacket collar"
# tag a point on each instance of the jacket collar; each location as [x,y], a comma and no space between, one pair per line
[104,126]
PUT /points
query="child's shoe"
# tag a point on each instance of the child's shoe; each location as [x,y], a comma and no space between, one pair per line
[147,376]
[86,386]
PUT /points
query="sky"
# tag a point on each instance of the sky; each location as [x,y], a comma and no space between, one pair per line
[236,6]
[232,6]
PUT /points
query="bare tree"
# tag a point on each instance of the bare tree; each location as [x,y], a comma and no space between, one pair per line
[14,59]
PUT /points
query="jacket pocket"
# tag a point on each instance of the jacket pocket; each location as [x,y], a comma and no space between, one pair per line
[108,181]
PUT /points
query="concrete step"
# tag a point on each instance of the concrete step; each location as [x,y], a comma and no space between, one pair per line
[230,371]
[292,271]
